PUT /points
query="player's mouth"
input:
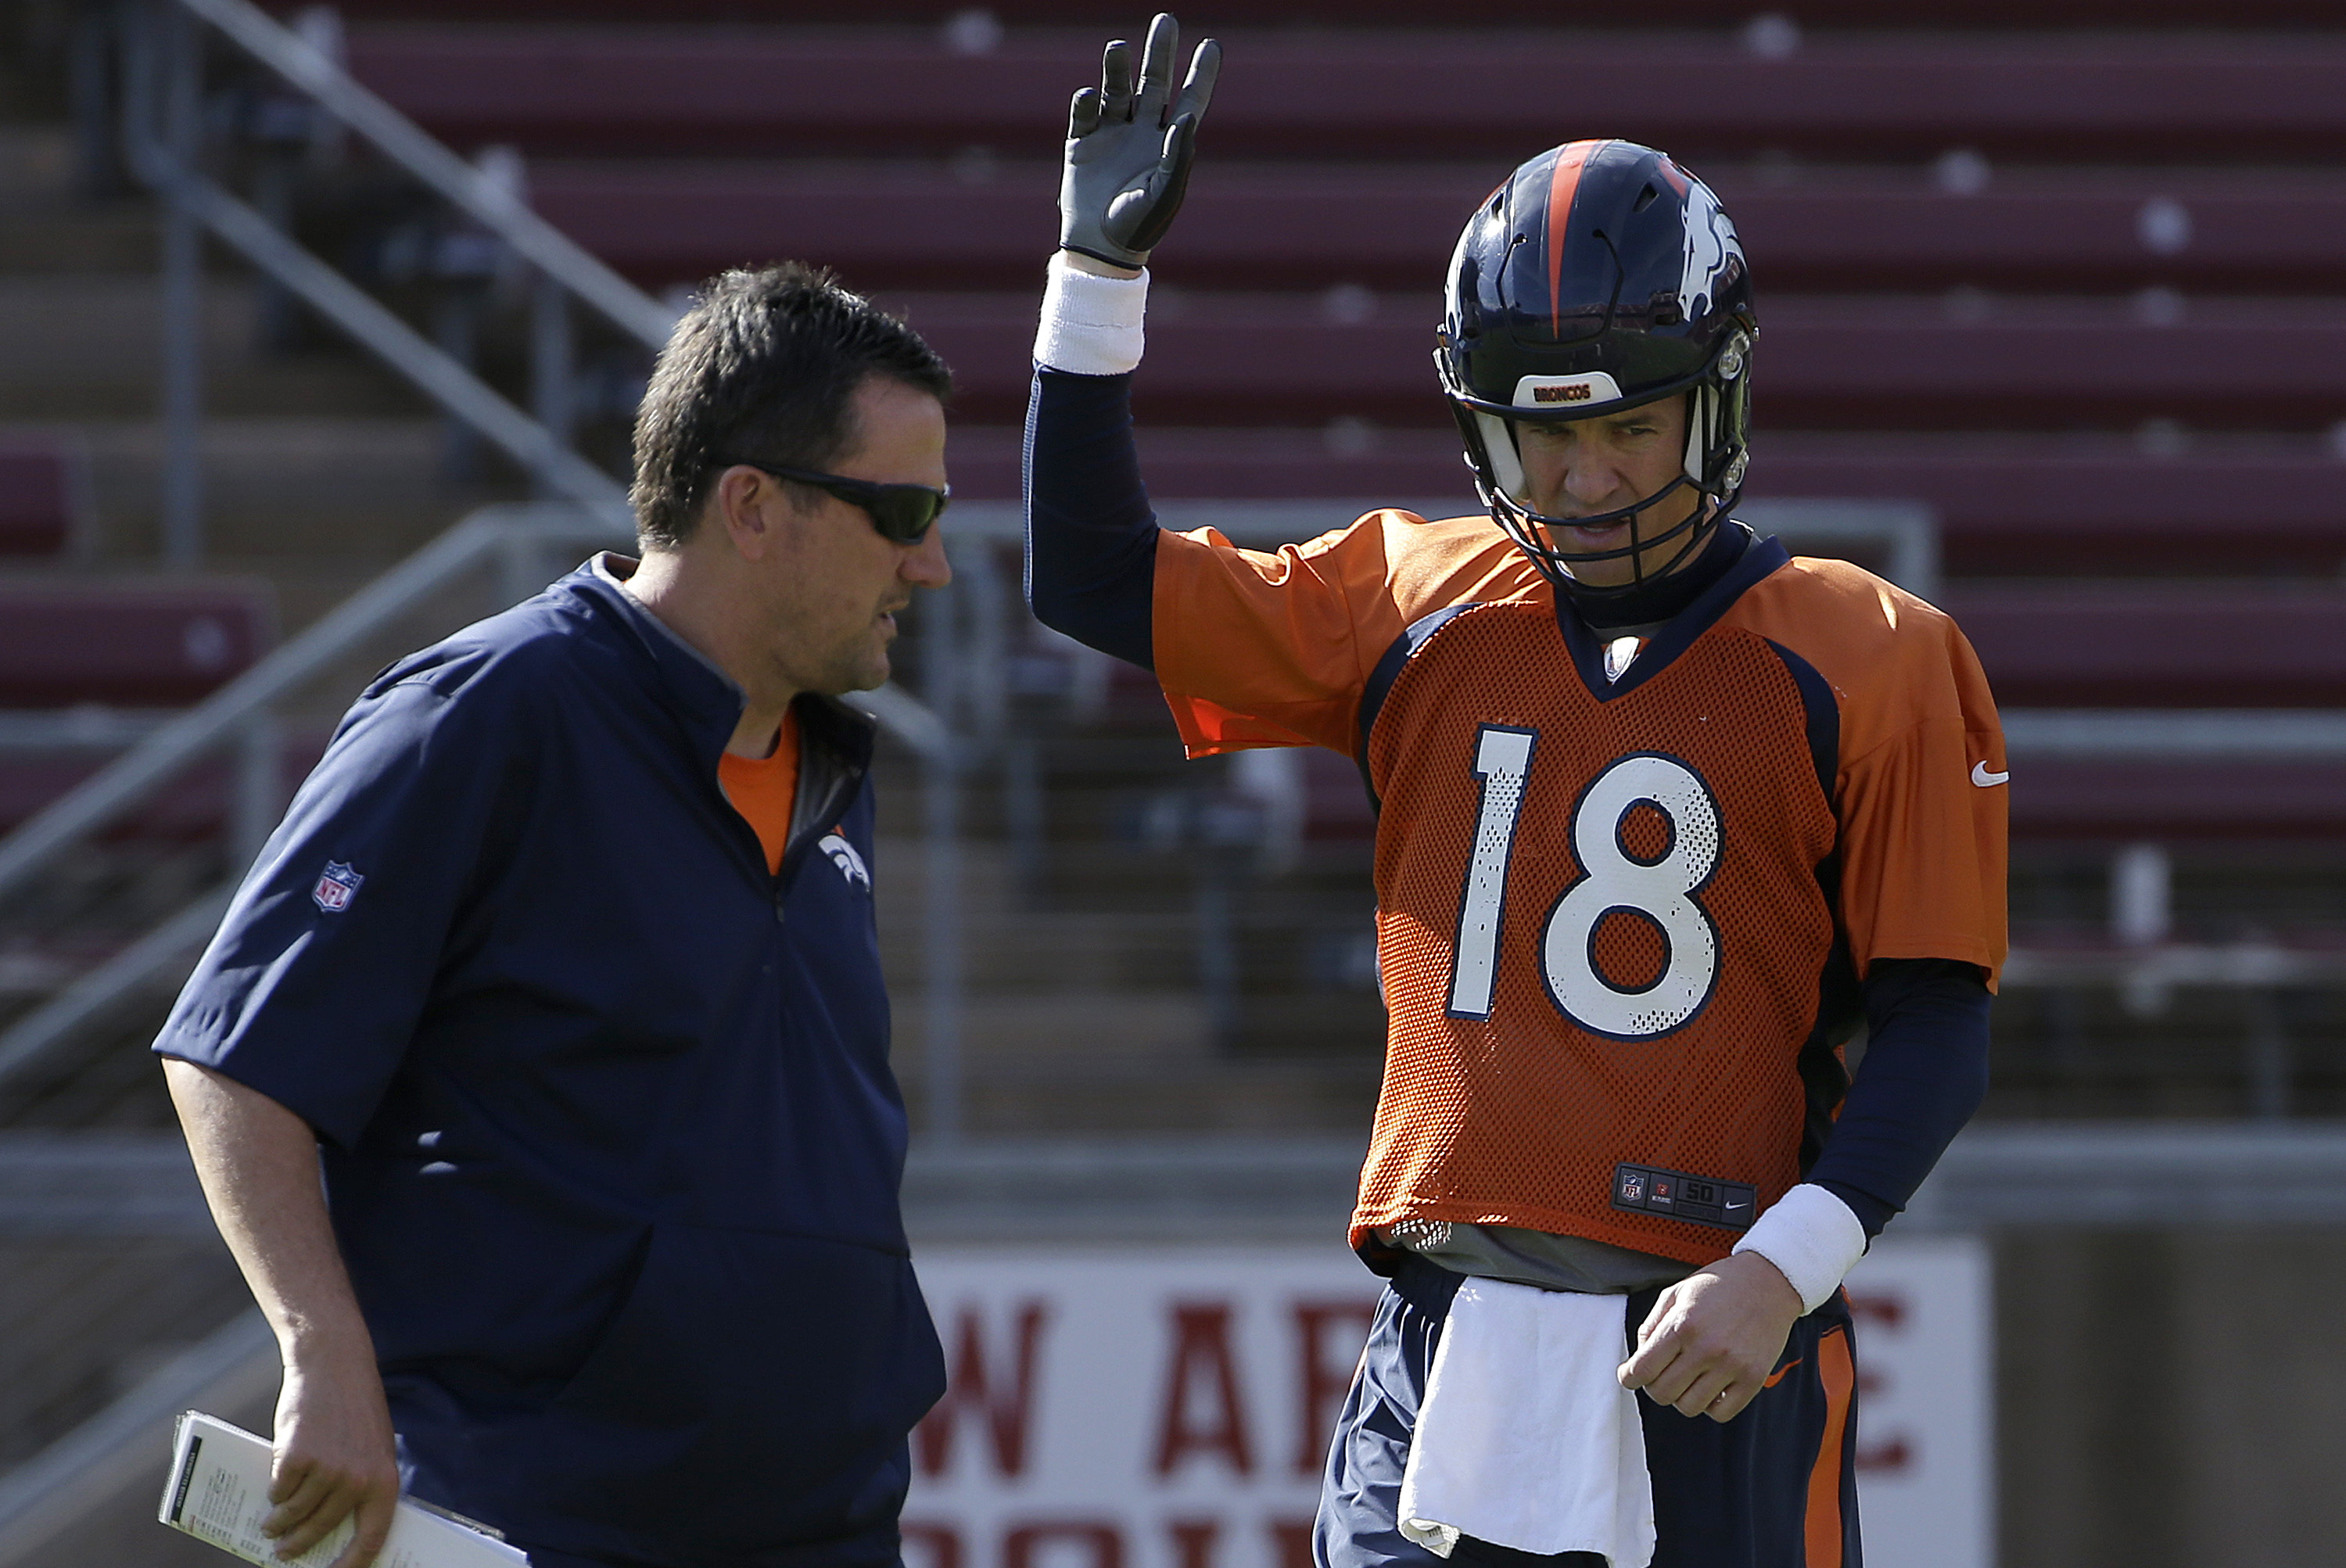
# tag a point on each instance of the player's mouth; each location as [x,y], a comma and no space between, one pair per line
[1603,535]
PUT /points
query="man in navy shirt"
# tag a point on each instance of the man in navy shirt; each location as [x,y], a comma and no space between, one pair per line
[563,966]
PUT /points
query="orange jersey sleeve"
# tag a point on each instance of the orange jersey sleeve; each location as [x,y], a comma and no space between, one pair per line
[1262,649]
[1920,794]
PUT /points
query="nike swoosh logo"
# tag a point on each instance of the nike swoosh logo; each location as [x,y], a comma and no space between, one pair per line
[1777,1374]
[1739,1206]
[1985,779]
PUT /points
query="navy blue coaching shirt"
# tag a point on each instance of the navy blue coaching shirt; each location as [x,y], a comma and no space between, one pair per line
[609,1136]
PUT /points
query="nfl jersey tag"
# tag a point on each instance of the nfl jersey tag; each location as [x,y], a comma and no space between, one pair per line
[1646,1189]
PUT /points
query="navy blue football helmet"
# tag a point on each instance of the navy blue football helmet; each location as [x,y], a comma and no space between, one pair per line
[1600,276]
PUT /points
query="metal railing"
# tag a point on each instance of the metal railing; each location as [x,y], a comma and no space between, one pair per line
[514,542]
[2006,1178]
[163,143]
[162,138]
[1903,536]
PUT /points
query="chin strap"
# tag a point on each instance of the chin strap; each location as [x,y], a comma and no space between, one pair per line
[1529,530]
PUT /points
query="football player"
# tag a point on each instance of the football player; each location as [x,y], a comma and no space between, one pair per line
[1667,815]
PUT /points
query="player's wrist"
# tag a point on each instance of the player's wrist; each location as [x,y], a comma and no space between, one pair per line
[1091,320]
[1096,265]
[1772,1281]
[1812,1239]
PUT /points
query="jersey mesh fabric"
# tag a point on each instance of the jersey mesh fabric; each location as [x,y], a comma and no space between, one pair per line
[1519,1117]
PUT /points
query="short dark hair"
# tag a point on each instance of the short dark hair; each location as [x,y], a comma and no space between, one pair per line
[762,364]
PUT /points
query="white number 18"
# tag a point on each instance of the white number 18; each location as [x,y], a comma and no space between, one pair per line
[1612,881]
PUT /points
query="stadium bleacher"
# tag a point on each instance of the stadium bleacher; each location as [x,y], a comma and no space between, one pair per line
[161,643]
[86,664]
[2075,291]
[2066,275]
[742,91]
[1947,224]
[2066,272]
[44,496]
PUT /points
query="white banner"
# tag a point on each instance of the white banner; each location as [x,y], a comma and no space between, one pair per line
[1169,1407]
[1925,1402]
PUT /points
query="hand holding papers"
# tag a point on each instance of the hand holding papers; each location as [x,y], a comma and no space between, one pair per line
[218,1492]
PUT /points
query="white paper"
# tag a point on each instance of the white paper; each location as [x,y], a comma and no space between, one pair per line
[217,1491]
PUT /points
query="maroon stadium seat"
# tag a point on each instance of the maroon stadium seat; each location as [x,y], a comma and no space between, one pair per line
[137,644]
[43,490]
[195,804]
[1292,226]
[152,644]
[2069,799]
[2155,645]
[1867,362]
[753,92]
[1729,14]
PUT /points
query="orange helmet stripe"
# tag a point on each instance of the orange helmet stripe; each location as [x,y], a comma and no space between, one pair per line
[1563,185]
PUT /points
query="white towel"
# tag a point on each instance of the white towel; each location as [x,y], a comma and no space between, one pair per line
[1527,1438]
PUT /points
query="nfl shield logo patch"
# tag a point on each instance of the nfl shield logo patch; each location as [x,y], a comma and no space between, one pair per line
[337,885]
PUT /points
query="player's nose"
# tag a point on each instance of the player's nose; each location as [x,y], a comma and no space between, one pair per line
[1592,483]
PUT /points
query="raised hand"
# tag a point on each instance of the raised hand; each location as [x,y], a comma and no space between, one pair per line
[1128,151]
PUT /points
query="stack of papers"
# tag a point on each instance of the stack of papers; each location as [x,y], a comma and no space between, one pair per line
[218,1492]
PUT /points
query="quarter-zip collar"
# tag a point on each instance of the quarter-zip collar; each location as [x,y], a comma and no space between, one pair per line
[835,741]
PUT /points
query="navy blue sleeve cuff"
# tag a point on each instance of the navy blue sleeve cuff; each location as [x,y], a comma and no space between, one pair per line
[1091,536]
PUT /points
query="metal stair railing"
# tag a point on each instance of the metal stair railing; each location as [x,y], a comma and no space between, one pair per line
[162,119]
[511,539]
[161,139]
[508,536]
[480,196]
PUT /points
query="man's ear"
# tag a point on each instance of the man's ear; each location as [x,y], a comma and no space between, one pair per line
[735,506]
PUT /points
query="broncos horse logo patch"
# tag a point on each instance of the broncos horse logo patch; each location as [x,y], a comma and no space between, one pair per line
[843,855]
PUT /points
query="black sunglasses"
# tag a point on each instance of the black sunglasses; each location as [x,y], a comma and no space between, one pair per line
[901,513]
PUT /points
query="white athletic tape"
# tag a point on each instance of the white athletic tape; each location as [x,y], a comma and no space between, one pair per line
[1812,1237]
[1091,325]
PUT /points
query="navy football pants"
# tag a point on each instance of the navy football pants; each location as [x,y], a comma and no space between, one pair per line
[1774,1487]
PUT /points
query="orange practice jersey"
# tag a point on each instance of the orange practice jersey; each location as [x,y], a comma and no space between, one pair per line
[1622,908]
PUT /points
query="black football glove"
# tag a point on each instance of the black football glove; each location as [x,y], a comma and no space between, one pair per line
[1129,153]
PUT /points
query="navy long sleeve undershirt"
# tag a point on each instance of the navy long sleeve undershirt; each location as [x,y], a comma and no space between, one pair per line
[1091,536]
[1923,1073]
[1091,562]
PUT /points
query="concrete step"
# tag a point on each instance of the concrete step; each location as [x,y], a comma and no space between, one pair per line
[46,227]
[88,345]
[1014,945]
[363,491]
[1212,1094]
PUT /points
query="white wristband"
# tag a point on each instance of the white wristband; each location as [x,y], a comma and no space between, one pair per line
[1812,1237]
[1091,325]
